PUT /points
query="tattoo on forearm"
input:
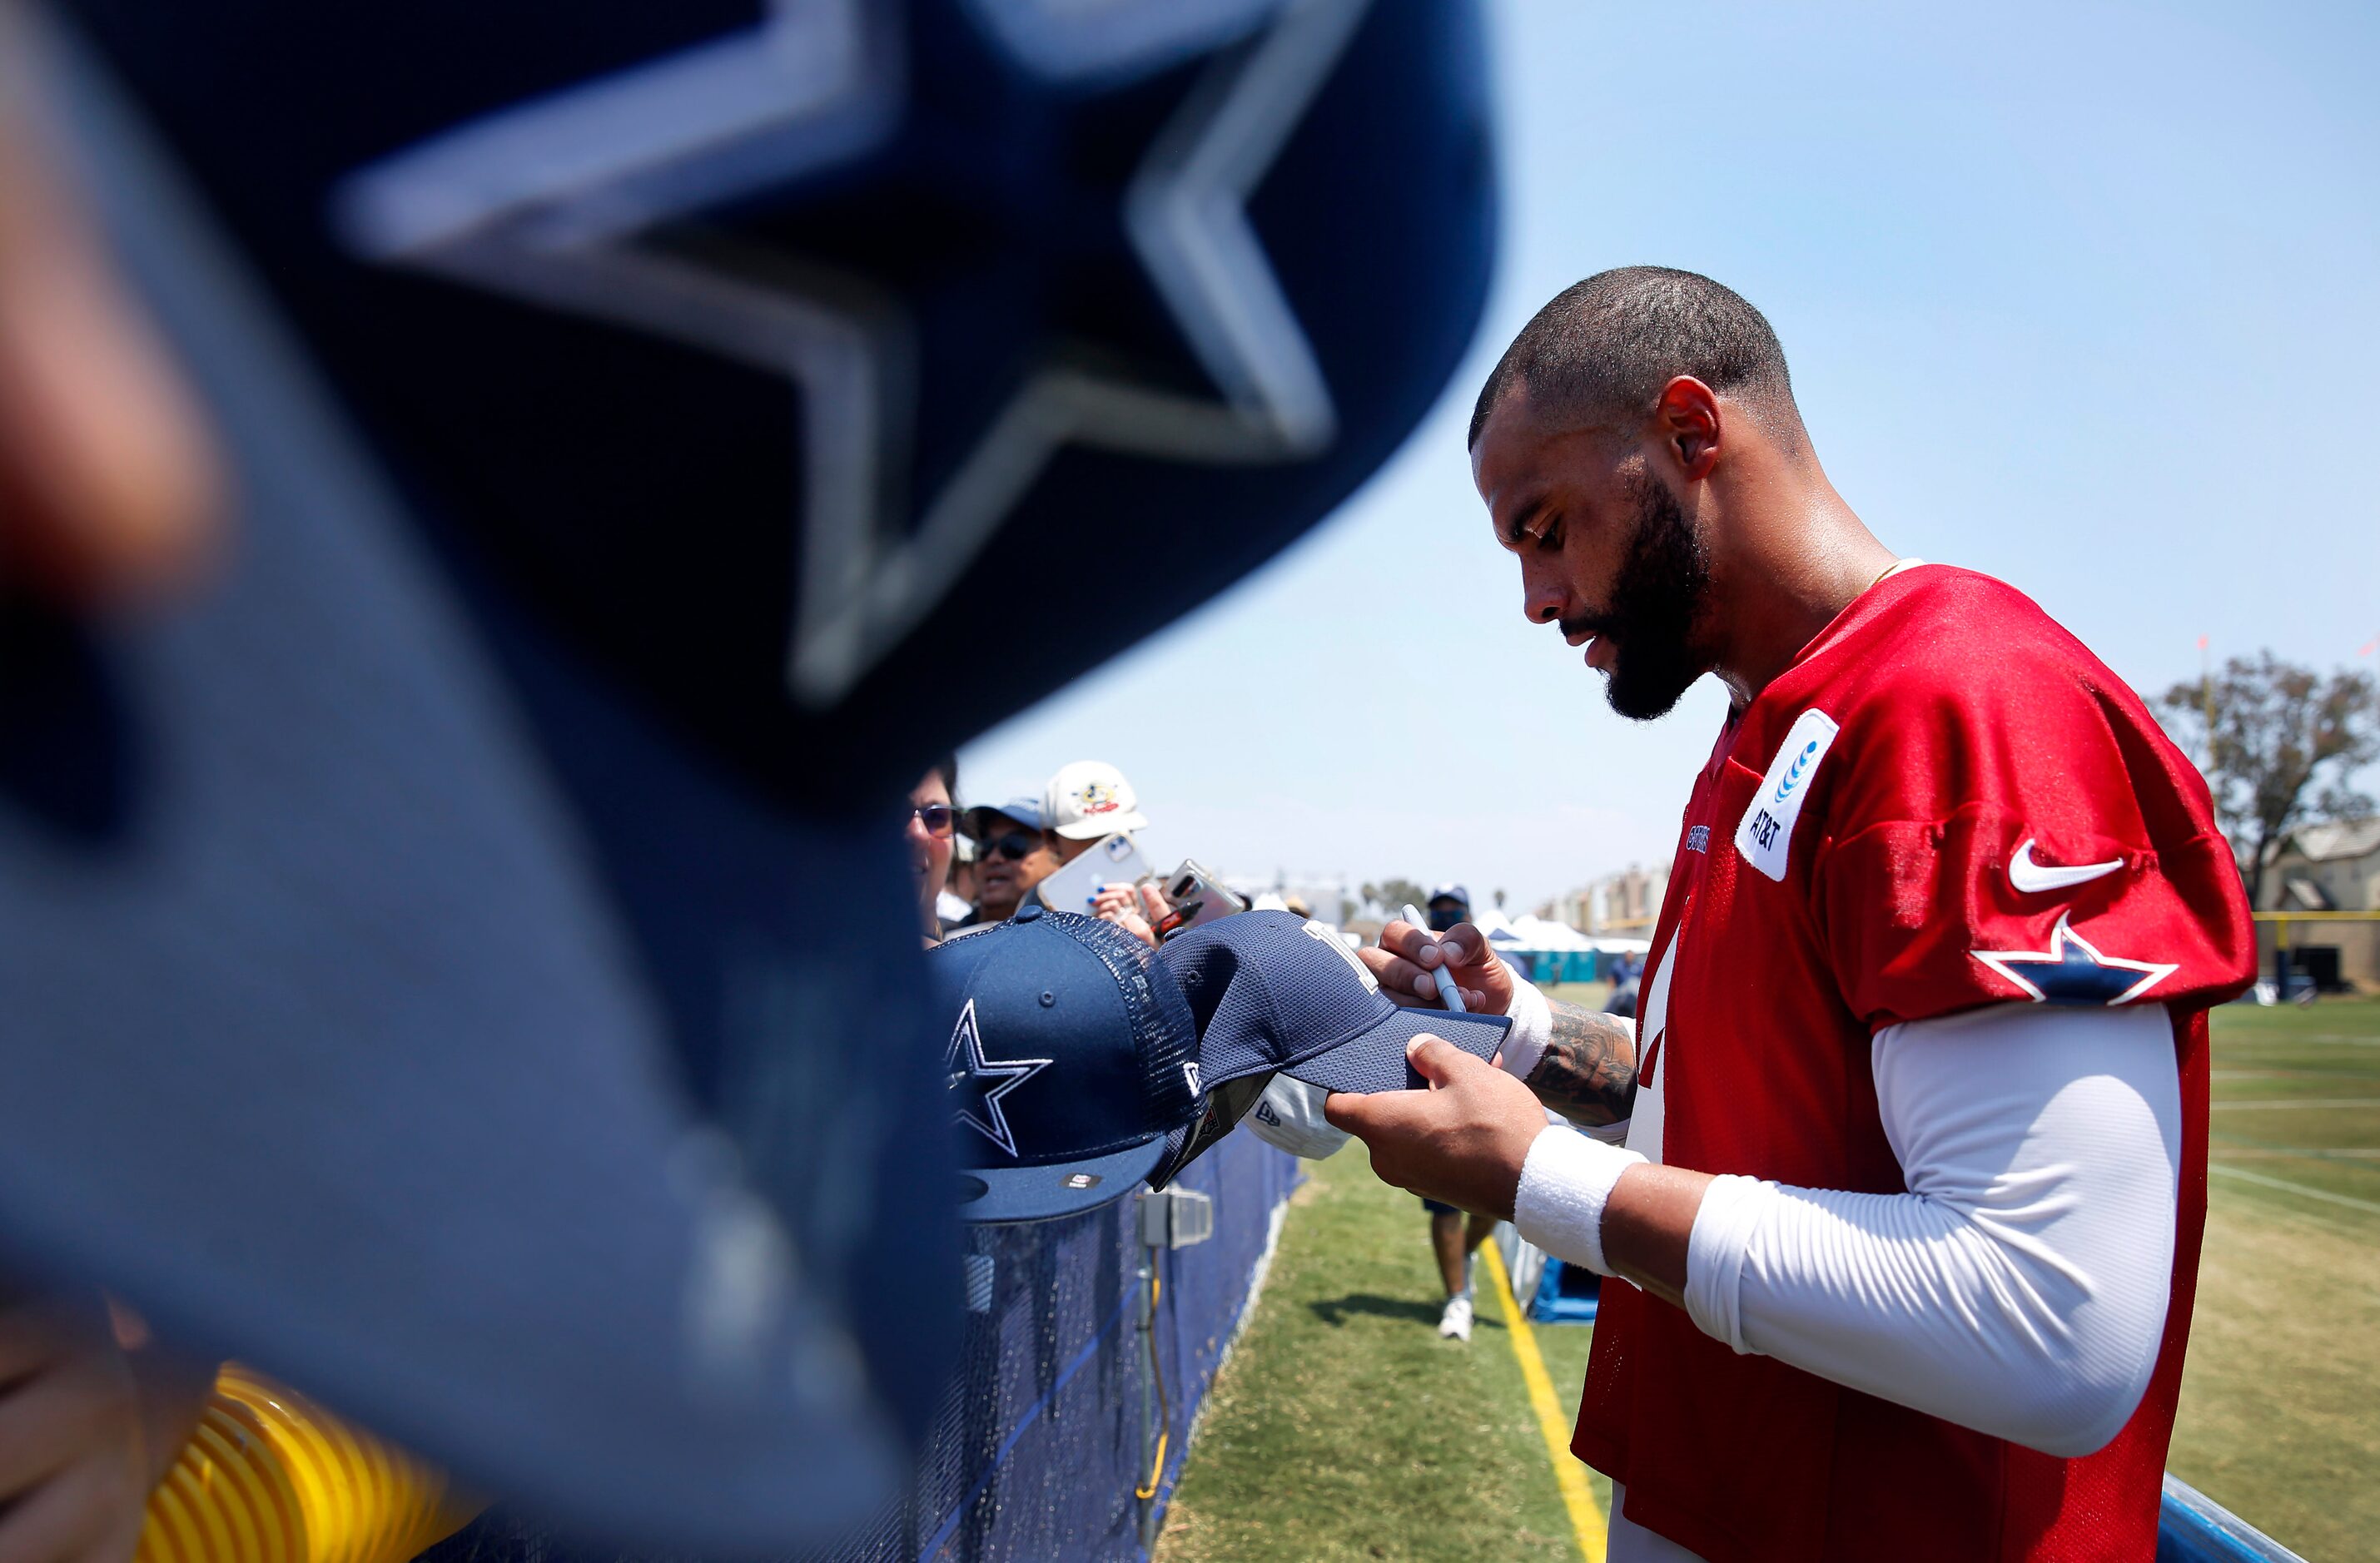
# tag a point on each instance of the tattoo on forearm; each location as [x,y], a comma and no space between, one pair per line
[1589,1071]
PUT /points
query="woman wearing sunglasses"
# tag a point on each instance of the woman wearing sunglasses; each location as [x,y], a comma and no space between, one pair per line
[933,823]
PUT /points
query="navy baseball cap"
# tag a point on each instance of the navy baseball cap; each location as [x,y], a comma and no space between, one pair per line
[1071,1056]
[986,822]
[1275,992]
[417,977]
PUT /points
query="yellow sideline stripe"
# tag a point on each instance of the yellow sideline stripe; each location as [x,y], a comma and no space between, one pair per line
[1585,1516]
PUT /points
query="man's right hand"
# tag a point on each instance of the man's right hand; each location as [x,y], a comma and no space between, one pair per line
[1408,962]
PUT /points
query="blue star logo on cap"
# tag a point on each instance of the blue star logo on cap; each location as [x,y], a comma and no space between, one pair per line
[694,195]
[979,1107]
[2073,971]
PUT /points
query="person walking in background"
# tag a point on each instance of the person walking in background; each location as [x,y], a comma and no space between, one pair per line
[933,829]
[1454,1236]
[1621,1000]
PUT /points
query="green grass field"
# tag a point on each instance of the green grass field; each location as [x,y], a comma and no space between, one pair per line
[2281,1401]
[1344,1429]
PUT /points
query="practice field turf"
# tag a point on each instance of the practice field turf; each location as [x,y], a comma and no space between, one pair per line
[1344,1429]
[2280,1402]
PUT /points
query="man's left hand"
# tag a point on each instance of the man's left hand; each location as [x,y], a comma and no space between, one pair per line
[1461,1141]
[1410,964]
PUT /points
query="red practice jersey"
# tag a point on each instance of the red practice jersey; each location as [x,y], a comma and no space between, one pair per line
[1945,802]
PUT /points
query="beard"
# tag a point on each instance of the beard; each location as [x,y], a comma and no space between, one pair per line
[1656,600]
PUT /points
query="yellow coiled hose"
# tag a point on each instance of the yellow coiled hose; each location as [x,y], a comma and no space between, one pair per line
[270,1477]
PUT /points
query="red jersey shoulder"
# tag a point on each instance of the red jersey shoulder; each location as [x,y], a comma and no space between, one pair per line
[1960,690]
[2000,817]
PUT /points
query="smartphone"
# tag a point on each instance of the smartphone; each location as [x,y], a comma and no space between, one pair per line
[1198,897]
[1115,860]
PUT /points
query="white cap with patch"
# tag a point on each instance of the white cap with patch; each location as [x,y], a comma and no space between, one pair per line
[1088,799]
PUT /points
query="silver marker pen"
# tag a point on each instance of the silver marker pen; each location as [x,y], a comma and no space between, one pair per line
[1447,993]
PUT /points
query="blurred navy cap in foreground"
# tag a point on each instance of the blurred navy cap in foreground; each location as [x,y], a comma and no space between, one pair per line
[465,964]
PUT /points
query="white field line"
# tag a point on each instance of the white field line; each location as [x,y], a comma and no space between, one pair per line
[2245,1176]
[2288,1075]
[2306,1152]
[2311,1102]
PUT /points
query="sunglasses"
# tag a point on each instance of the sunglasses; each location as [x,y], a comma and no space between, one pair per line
[940,819]
[1016,846]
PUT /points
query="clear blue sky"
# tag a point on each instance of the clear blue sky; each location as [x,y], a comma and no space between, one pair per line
[2084,297]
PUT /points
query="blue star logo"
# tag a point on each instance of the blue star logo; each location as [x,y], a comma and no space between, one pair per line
[978,1107]
[2073,971]
[708,197]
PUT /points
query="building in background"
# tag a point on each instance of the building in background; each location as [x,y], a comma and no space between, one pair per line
[1625,903]
[2329,868]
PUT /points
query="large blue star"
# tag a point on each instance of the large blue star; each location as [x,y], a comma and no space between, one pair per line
[800,197]
[978,1107]
[2072,971]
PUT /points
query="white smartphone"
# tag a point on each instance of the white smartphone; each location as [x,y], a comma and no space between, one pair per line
[1115,860]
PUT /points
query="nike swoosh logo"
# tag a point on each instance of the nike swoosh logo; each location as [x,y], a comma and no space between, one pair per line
[2031,878]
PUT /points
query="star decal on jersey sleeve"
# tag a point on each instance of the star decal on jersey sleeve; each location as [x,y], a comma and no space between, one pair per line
[630,199]
[977,1106]
[2073,971]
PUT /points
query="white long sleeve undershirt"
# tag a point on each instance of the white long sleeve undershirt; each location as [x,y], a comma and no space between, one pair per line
[2020,1286]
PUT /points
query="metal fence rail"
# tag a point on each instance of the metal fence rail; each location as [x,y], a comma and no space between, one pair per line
[2193,1528]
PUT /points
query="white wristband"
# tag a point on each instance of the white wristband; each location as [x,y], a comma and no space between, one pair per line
[1565,1184]
[1533,1028]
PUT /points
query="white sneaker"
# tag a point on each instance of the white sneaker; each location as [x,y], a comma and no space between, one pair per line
[1456,1323]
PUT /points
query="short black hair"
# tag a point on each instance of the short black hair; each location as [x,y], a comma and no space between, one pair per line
[946,766]
[1608,344]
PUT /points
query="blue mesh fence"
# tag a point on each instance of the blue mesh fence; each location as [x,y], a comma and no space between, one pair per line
[1041,1443]
[1040,1457]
